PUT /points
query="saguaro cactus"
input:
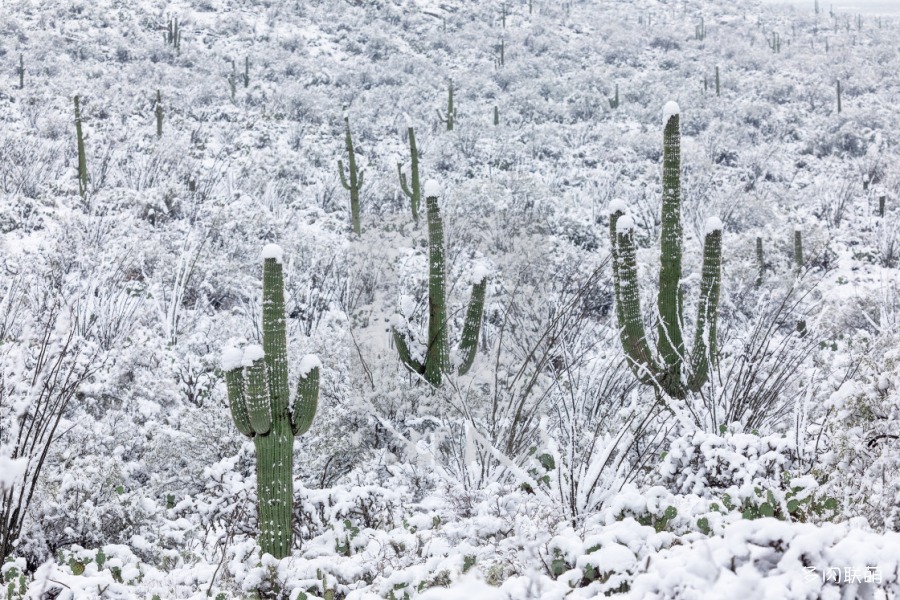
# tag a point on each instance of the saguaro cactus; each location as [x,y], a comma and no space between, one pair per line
[437,356]
[614,101]
[667,373]
[21,71]
[259,397]
[760,262]
[798,250]
[159,114]
[839,95]
[82,161]
[718,89]
[412,191]
[356,177]
[450,118]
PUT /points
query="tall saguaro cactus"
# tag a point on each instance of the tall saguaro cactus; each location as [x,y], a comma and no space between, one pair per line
[356,177]
[259,397]
[668,372]
[82,160]
[412,191]
[450,117]
[436,360]
[159,114]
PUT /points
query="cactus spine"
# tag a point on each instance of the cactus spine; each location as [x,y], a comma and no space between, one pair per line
[614,101]
[159,114]
[356,177]
[665,373]
[259,397]
[437,355]
[450,117]
[413,190]
[82,161]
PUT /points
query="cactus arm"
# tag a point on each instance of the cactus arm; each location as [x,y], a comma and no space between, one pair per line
[234,382]
[614,259]
[403,185]
[437,355]
[403,350]
[705,349]
[341,172]
[256,395]
[468,345]
[307,399]
[670,343]
[631,327]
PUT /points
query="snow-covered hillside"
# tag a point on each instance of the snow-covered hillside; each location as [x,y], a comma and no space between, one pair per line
[212,129]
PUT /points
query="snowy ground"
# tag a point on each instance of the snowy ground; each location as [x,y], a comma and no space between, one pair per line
[546,472]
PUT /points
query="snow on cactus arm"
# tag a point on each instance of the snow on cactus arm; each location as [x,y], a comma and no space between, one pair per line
[234,382]
[256,389]
[307,399]
[399,330]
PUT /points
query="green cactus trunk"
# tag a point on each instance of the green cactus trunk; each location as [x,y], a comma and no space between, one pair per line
[413,191]
[798,251]
[259,397]
[450,118]
[717,82]
[159,114]
[760,262]
[437,355]
[665,373]
[82,160]
[356,178]
[21,72]
[839,96]
[670,342]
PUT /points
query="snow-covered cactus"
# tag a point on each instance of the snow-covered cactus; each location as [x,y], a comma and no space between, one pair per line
[668,372]
[172,35]
[614,101]
[450,117]
[496,116]
[412,191]
[798,250]
[718,87]
[246,71]
[82,161]
[437,355]
[760,262]
[159,114]
[259,397]
[21,71]
[839,96]
[356,177]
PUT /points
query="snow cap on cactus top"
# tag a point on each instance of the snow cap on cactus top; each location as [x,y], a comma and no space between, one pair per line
[432,189]
[480,272]
[273,251]
[617,205]
[408,120]
[231,358]
[670,109]
[798,228]
[308,363]
[624,225]
[252,353]
[713,224]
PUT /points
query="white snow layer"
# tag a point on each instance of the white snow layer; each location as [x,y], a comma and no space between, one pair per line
[480,272]
[308,363]
[273,251]
[617,205]
[670,109]
[11,469]
[231,358]
[252,353]
[432,189]
[624,225]
[713,224]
